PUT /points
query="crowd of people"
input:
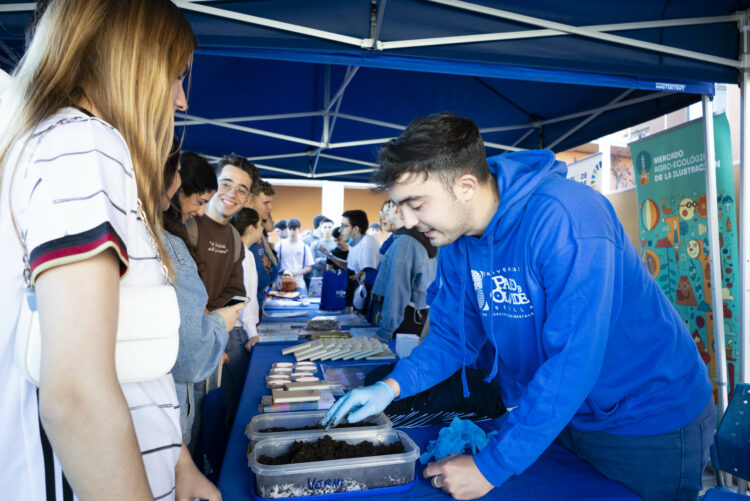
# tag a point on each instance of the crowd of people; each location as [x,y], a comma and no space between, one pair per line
[102,198]
[535,276]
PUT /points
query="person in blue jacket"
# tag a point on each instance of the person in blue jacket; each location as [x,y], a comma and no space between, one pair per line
[587,349]
[399,294]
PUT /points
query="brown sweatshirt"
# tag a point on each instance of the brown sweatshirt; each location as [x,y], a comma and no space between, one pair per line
[221,274]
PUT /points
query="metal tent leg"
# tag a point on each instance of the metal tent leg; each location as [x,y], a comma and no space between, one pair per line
[714,251]
[744,216]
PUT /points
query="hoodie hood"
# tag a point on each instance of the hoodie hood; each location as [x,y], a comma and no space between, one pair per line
[518,176]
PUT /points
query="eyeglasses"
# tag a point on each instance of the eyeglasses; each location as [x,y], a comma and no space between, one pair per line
[227,186]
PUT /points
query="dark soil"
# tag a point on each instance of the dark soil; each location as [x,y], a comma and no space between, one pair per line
[326,448]
[317,427]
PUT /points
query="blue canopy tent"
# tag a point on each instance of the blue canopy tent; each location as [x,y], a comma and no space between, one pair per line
[311,89]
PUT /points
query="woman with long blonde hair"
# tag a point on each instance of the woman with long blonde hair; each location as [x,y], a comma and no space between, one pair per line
[86,126]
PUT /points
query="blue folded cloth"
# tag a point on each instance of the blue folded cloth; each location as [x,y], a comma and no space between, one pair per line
[462,436]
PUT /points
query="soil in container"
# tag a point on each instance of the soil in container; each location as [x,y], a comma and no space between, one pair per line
[317,427]
[326,448]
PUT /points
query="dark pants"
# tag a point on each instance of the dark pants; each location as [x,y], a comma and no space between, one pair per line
[231,387]
[351,286]
[661,467]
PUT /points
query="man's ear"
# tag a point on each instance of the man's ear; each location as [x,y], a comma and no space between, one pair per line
[465,187]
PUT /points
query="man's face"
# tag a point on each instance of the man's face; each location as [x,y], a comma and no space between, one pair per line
[282,233]
[233,192]
[293,234]
[346,229]
[326,229]
[262,204]
[427,204]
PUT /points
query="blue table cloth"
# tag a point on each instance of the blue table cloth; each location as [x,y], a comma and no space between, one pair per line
[556,475]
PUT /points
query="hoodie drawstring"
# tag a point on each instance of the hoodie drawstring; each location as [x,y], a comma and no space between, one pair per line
[461,305]
[493,373]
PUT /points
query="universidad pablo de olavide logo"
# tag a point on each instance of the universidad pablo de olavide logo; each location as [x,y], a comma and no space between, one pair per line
[501,293]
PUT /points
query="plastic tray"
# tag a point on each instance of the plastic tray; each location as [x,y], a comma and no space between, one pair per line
[334,476]
[301,419]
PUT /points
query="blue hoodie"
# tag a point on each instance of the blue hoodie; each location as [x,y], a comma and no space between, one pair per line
[582,334]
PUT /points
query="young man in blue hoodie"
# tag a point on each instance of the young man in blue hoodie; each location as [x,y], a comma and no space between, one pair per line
[588,350]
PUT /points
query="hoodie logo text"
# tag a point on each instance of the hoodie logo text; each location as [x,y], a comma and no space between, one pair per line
[506,296]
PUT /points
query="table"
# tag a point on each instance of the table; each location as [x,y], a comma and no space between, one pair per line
[556,475]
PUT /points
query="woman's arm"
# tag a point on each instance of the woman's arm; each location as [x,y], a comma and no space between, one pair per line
[81,404]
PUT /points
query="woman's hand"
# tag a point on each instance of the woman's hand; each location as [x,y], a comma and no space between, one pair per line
[190,483]
[230,314]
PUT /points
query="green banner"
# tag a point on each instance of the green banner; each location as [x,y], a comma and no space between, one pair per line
[673,230]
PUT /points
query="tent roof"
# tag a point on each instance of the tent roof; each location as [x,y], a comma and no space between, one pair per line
[338,77]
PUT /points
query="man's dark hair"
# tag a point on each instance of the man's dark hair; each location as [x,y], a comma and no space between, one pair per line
[336,233]
[263,186]
[317,220]
[293,223]
[197,174]
[326,220]
[442,145]
[241,163]
[244,218]
[375,226]
[357,218]
[280,225]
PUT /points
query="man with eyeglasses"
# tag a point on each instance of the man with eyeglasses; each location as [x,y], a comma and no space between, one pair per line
[219,246]
[220,252]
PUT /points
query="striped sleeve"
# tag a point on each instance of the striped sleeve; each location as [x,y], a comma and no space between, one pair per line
[72,248]
[80,189]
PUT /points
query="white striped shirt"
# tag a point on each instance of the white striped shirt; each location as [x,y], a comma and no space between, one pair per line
[74,195]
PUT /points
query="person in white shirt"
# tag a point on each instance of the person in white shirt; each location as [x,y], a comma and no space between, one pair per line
[295,256]
[364,253]
[247,222]
[74,112]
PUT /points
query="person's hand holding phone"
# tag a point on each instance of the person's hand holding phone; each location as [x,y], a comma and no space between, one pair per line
[231,311]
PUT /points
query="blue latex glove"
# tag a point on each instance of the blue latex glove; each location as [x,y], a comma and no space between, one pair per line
[359,404]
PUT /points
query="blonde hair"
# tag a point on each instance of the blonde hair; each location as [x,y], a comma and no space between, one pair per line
[121,56]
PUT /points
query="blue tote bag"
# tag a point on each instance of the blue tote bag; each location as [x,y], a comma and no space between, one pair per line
[333,290]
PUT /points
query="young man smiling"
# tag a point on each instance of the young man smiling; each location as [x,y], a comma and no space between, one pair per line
[587,349]
[221,253]
[219,247]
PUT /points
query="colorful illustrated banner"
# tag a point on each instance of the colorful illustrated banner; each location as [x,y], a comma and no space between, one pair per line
[673,230]
[586,171]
